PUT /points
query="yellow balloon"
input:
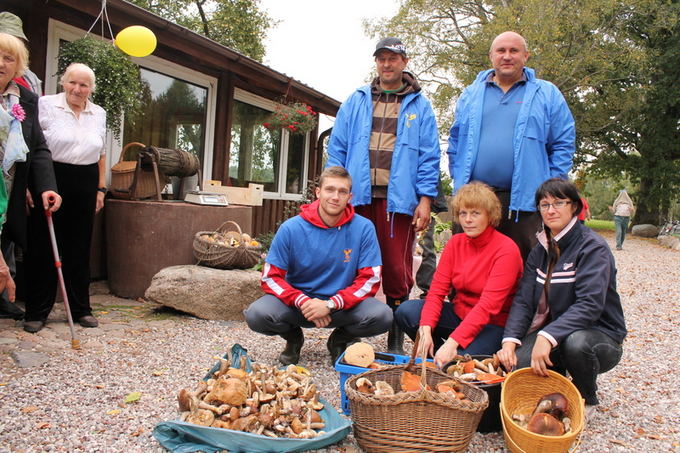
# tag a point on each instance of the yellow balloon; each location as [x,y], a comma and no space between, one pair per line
[136,40]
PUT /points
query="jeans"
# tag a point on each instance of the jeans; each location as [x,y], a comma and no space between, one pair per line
[584,354]
[621,223]
[269,316]
[487,341]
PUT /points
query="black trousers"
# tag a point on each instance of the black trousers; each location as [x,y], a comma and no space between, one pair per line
[73,224]
[584,354]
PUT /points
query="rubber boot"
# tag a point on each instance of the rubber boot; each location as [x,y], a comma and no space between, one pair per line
[338,342]
[395,337]
[294,341]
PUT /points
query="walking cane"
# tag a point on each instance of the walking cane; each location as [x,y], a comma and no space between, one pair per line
[75,343]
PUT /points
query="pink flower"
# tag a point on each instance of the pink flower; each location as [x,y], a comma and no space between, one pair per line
[18,112]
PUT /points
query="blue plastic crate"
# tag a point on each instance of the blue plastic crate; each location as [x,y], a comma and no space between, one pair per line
[349,370]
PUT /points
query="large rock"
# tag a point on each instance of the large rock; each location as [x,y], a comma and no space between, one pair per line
[645,230]
[205,292]
[670,242]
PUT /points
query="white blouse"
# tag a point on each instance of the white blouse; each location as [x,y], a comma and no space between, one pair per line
[77,141]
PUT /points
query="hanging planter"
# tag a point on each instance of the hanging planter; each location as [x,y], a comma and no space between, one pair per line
[119,85]
[296,118]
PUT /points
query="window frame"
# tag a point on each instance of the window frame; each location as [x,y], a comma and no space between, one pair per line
[247,97]
[57,30]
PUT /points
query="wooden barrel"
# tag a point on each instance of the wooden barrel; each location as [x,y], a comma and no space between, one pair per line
[175,162]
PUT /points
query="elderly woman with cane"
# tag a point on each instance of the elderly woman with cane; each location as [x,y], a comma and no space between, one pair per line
[75,130]
[26,159]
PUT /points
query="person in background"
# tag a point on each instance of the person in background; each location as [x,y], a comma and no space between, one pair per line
[429,256]
[484,267]
[322,270]
[26,159]
[585,212]
[75,130]
[623,208]
[12,25]
[386,136]
[512,131]
[566,314]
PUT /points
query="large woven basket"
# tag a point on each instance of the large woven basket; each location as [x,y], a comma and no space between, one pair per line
[422,421]
[521,391]
[221,256]
[123,182]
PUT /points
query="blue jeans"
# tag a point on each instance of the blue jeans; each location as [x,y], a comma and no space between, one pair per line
[584,354]
[621,223]
[487,342]
[269,316]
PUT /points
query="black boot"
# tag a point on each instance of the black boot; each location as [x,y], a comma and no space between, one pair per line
[395,337]
[338,342]
[395,340]
[294,341]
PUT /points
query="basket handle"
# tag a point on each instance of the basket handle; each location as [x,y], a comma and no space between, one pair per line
[423,362]
[238,228]
[121,158]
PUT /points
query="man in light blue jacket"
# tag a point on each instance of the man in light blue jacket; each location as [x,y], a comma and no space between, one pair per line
[512,131]
[386,136]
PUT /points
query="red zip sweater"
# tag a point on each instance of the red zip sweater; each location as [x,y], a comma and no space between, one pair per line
[485,272]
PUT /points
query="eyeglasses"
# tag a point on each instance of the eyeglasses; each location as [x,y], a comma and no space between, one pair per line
[557,205]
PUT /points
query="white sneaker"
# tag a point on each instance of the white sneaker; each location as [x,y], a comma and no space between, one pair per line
[591,409]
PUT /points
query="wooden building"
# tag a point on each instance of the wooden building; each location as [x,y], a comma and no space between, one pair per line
[201,97]
[205,98]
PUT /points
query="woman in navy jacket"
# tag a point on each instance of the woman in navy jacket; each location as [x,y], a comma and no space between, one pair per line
[566,314]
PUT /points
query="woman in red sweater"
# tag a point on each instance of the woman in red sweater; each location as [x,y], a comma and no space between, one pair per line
[484,267]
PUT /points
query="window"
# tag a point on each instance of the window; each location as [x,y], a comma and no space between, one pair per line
[173,114]
[276,159]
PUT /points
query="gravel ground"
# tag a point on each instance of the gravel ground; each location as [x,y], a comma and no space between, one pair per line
[74,401]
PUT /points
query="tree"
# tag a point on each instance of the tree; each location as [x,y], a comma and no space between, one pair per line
[612,60]
[238,24]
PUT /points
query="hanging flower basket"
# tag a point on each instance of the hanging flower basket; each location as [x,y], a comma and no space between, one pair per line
[296,118]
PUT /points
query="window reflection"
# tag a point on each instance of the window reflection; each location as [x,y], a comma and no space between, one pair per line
[254,152]
[296,165]
[173,114]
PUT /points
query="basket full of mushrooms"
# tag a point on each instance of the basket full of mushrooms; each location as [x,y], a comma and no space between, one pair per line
[254,407]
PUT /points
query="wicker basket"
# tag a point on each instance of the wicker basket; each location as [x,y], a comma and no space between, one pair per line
[521,391]
[221,256]
[423,421]
[123,182]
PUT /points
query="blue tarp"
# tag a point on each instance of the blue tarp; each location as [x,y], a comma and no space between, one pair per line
[182,437]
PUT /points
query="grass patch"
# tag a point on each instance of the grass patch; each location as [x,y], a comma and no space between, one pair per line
[601,224]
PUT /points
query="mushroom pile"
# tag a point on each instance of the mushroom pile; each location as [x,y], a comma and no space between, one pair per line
[409,382]
[549,418]
[267,401]
[487,371]
[230,239]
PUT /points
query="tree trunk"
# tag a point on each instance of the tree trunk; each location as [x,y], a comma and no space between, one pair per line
[647,209]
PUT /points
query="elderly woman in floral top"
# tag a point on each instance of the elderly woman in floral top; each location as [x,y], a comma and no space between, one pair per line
[26,160]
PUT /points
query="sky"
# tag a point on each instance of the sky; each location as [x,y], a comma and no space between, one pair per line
[322,43]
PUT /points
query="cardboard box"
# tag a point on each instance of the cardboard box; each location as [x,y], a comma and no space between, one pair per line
[249,196]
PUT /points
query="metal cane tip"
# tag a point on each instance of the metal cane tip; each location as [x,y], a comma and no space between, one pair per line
[75,344]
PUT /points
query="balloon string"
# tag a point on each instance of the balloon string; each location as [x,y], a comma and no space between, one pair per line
[104,15]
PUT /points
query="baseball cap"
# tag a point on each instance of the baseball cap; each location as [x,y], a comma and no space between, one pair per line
[392,44]
[11,24]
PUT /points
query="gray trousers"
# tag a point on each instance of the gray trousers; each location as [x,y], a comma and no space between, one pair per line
[269,316]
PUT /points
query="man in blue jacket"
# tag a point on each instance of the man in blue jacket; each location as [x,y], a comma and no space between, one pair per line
[386,136]
[512,131]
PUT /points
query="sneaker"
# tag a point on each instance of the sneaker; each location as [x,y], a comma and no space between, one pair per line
[591,409]
[88,321]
